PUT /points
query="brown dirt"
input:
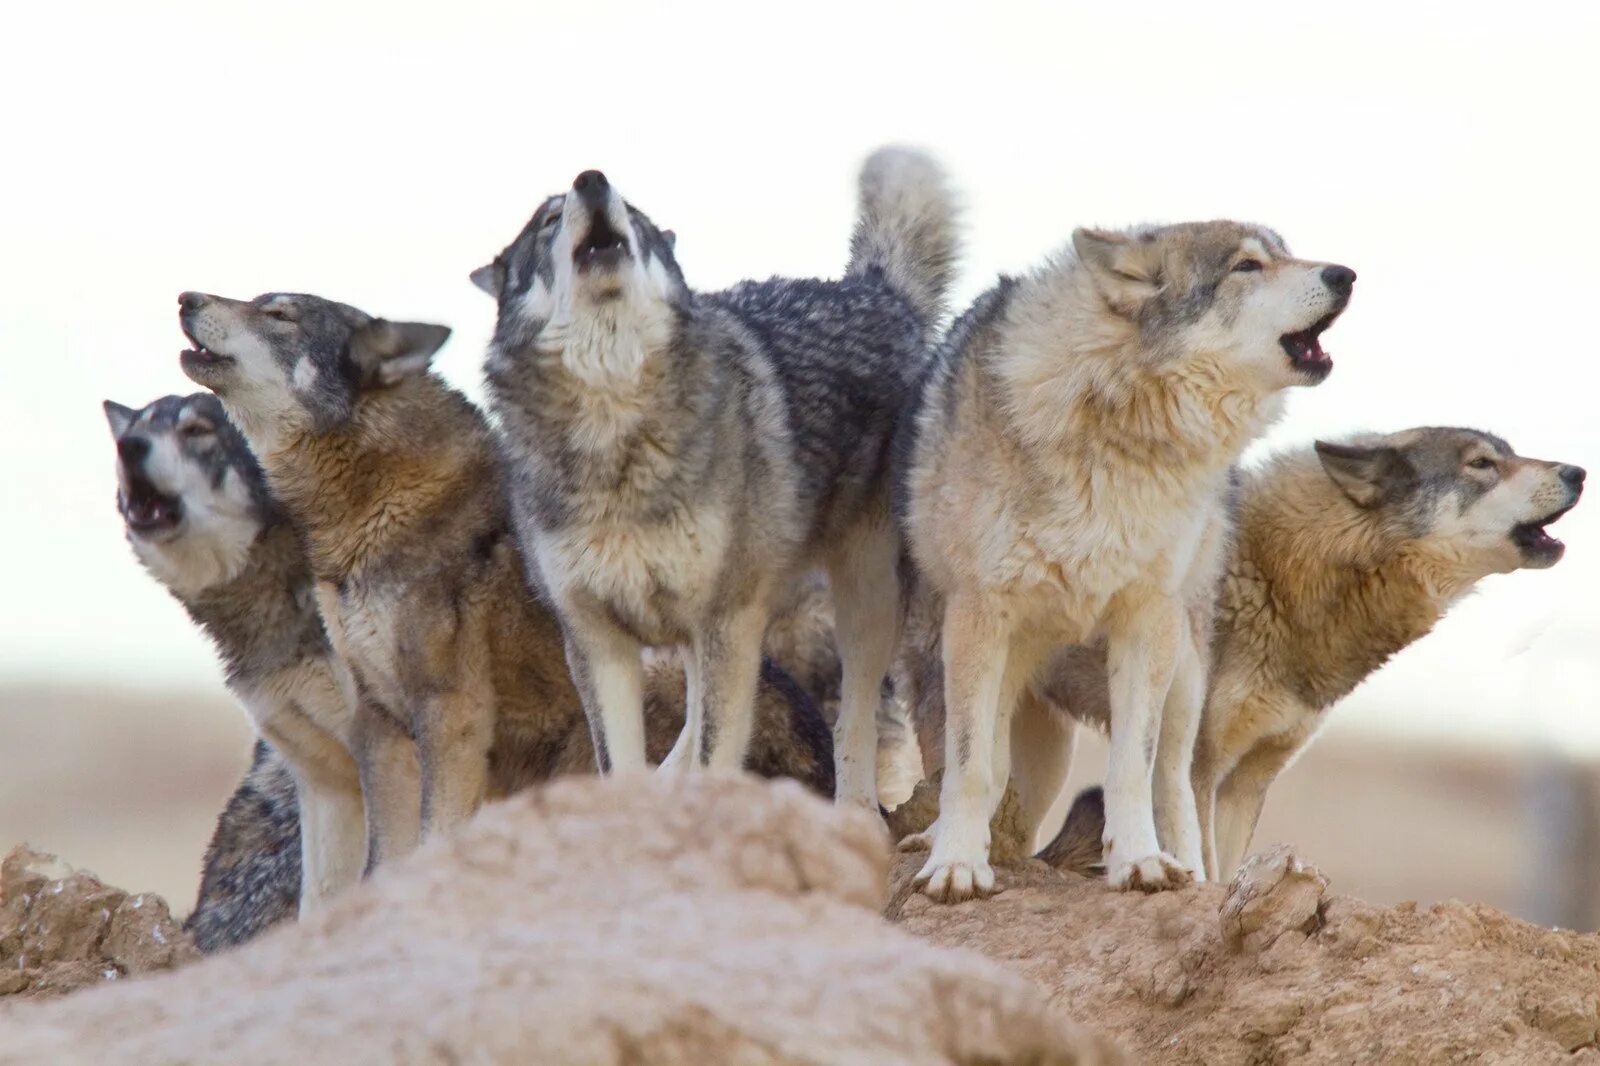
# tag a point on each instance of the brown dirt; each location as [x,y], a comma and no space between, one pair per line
[657,919]
[1272,969]
[61,929]
[731,921]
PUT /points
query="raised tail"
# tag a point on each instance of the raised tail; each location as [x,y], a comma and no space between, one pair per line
[1077,847]
[907,228]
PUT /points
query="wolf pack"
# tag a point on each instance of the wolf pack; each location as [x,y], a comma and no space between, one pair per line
[788,526]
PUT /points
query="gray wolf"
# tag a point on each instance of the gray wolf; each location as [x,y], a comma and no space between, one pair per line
[392,480]
[678,458]
[196,511]
[1345,553]
[1061,484]
[251,877]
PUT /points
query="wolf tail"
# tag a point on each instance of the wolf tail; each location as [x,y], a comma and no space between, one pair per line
[1077,846]
[907,228]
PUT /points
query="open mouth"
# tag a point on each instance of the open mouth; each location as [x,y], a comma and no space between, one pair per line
[151,512]
[1304,348]
[602,247]
[199,357]
[1535,540]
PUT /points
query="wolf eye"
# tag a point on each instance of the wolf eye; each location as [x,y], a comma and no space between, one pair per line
[1244,266]
[279,312]
[193,430]
[1482,463]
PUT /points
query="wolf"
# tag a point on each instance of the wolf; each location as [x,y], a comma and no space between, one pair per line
[679,458]
[1060,483]
[197,514]
[251,878]
[455,669]
[1346,552]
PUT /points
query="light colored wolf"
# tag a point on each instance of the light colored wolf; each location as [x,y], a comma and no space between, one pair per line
[390,476]
[1345,554]
[679,458]
[1062,482]
[199,518]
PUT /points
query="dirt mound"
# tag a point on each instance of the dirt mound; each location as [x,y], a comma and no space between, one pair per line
[1272,969]
[61,929]
[658,919]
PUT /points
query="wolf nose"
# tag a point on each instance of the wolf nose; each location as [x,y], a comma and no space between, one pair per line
[191,301]
[1339,279]
[133,449]
[591,185]
[1573,475]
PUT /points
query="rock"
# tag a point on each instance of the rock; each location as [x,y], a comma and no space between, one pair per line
[61,929]
[654,919]
[1272,894]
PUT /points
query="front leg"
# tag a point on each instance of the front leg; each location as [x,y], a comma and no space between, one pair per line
[685,750]
[728,654]
[1177,817]
[1141,656]
[391,783]
[608,669]
[976,645]
[333,830]
[866,603]
[1242,795]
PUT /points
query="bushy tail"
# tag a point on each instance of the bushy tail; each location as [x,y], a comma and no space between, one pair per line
[907,228]
[1077,847]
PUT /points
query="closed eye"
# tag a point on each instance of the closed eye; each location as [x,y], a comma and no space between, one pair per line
[1245,266]
[195,430]
[1482,463]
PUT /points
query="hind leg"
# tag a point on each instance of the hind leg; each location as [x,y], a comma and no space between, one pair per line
[728,668]
[1042,739]
[866,607]
[391,785]
[333,849]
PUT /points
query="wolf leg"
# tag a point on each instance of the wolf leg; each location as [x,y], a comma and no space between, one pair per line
[1141,657]
[729,654]
[1177,819]
[1240,798]
[866,607]
[608,669]
[1042,739]
[333,847]
[975,653]
[391,785]
[683,755]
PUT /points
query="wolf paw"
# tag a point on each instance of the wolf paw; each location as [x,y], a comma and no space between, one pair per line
[952,882]
[1152,873]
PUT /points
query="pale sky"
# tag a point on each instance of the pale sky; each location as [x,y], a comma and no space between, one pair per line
[375,155]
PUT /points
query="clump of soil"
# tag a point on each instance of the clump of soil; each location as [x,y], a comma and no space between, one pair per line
[61,929]
[1271,968]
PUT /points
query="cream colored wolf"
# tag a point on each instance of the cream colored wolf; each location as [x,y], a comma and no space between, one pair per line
[1069,457]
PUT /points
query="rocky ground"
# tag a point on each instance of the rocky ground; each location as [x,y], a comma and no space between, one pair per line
[724,920]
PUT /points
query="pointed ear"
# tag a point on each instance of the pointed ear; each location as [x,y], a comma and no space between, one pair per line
[491,278]
[119,417]
[389,352]
[671,238]
[1126,269]
[1368,475]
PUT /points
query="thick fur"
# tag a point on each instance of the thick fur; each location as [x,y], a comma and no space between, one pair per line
[198,516]
[679,459]
[1061,481]
[1344,555]
[252,867]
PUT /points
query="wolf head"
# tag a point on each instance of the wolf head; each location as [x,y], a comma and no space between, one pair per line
[192,498]
[1465,490]
[1219,288]
[585,257]
[291,363]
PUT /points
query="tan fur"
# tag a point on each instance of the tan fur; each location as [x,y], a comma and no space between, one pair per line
[1065,474]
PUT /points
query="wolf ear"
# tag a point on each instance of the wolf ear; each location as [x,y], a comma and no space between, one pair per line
[491,278]
[1367,475]
[389,352]
[671,238]
[119,416]
[1125,269]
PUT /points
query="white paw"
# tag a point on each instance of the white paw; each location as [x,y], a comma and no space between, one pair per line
[1152,873]
[952,882]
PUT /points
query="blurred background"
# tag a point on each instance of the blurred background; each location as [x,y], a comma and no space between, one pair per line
[378,153]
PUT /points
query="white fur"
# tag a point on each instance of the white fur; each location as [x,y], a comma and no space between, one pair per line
[212,542]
